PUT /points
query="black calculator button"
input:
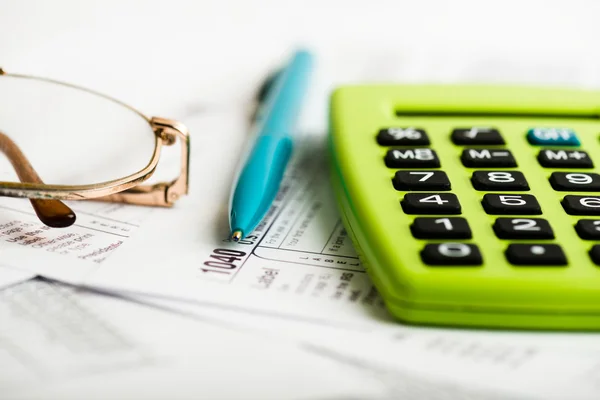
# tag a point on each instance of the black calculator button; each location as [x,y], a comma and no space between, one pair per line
[581,205]
[515,204]
[476,135]
[523,228]
[430,203]
[595,254]
[588,229]
[535,254]
[499,180]
[441,228]
[488,158]
[412,158]
[575,181]
[408,136]
[564,159]
[451,254]
[421,180]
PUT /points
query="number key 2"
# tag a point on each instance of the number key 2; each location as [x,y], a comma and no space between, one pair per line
[523,228]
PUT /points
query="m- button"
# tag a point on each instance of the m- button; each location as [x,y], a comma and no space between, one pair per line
[488,158]
[564,159]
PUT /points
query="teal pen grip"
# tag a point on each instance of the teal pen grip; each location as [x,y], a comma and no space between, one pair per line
[259,181]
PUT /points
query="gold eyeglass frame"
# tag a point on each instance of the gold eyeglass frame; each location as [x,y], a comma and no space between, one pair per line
[124,190]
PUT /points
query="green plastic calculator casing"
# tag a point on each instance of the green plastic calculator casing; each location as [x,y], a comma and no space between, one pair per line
[496,293]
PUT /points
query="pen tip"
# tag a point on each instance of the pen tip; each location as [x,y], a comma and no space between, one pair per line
[236,236]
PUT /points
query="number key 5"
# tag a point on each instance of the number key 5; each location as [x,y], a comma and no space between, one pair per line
[516,204]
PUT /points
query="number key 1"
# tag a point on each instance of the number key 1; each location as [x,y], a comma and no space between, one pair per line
[441,228]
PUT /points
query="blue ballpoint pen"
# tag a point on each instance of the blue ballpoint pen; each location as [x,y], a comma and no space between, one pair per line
[259,179]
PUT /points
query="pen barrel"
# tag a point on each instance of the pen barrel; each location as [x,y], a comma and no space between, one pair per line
[259,182]
[284,100]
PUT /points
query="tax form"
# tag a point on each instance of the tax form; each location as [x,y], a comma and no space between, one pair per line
[60,342]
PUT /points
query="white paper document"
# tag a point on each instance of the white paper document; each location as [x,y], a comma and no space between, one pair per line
[59,342]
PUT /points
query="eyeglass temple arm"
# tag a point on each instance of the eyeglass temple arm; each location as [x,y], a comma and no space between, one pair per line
[163,194]
[53,213]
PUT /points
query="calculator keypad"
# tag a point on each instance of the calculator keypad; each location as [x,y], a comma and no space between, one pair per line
[412,158]
[535,254]
[499,180]
[451,254]
[430,203]
[488,158]
[523,228]
[407,136]
[441,228]
[550,158]
[515,204]
[476,136]
[575,181]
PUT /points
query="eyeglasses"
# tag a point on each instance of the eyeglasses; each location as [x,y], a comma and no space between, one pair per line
[85,146]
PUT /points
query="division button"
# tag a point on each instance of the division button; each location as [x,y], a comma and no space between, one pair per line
[552,137]
[488,158]
[499,180]
[595,254]
[408,136]
[575,181]
[441,228]
[430,203]
[535,254]
[479,135]
[564,159]
[581,205]
[515,204]
[421,180]
[523,228]
[412,158]
[456,254]
[588,229]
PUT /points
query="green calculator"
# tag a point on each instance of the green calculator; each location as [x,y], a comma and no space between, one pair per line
[473,205]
